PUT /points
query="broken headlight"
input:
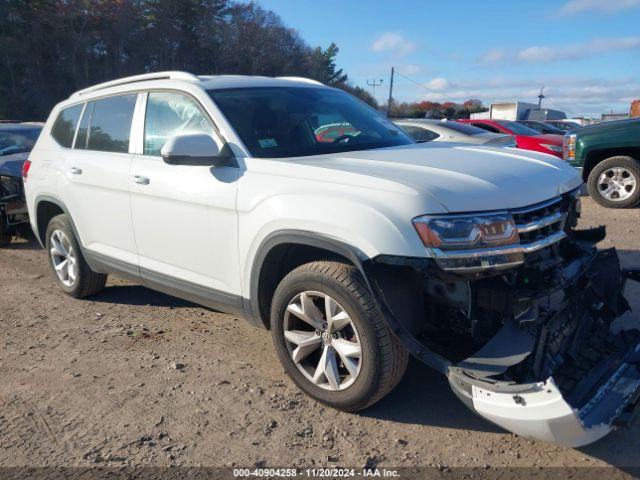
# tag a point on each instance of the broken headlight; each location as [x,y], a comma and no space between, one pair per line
[471,242]
[457,232]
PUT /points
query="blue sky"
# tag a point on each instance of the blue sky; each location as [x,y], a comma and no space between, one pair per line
[586,52]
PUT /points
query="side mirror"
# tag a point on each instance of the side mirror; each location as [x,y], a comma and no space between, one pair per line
[193,149]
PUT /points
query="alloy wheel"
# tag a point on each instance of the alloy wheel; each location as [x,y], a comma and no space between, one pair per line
[63,257]
[617,184]
[322,340]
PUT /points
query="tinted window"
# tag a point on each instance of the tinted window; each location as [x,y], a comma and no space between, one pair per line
[420,134]
[541,127]
[169,114]
[463,128]
[111,124]
[297,121]
[486,127]
[518,129]
[18,140]
[65,126]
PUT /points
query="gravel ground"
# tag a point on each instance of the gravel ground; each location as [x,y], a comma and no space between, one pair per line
[133,377]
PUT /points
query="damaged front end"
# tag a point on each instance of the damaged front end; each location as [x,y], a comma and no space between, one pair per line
[531,347]
[14,217]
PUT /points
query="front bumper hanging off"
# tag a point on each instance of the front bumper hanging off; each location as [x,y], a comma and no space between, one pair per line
[583,378]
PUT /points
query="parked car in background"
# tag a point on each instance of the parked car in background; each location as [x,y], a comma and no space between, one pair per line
[608,154]
[16,141]
[542,127]
[428,130]
[526,138]
[564,125]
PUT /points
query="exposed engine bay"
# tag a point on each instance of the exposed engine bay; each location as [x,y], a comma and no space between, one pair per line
[532,348]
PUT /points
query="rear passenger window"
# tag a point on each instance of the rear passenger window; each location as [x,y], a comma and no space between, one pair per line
[169,114]
[65,125]
[111,124]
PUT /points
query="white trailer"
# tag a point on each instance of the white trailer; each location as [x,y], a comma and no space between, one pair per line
[510,110]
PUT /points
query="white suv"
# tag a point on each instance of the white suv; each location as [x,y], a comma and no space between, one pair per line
[301,209]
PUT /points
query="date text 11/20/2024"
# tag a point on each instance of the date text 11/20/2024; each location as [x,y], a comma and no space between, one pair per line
[315,472]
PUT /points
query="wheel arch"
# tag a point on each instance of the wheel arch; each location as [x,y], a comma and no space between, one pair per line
[282,251]
[46,208]
[594,157]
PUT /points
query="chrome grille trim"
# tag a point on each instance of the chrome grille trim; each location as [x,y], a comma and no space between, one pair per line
[541,223]
[504,250]
[539,226]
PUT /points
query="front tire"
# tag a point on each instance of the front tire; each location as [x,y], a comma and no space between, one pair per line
[70,269]
[331,338]
[614,182]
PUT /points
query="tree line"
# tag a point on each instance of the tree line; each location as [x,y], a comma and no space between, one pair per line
[427,109]
[51,48]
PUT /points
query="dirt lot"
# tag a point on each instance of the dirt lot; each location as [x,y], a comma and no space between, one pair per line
[134,377]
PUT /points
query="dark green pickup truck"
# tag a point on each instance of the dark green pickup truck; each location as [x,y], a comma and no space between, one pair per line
[609,156]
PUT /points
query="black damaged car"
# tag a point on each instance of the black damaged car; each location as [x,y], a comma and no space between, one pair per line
[16,141]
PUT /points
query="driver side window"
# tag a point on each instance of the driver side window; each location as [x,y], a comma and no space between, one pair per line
[169,114]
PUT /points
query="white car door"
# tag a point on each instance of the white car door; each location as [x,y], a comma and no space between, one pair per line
[184,217]
[96,172]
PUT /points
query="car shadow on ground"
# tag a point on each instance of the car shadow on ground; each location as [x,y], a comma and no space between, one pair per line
[139,295]
[424,397]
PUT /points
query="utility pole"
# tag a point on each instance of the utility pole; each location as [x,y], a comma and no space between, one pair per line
[375,84]
[540,97]
[390,92]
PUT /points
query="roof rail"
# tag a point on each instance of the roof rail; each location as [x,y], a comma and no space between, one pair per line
[301,79]
[174,75]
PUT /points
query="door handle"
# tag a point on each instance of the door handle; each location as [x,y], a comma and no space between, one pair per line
[139,179]
[75,171]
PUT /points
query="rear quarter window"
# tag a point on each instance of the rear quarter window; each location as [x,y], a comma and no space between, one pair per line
[110,127]
[65,125]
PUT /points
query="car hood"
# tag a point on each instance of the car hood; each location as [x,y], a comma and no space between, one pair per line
[11,165]
[461,178]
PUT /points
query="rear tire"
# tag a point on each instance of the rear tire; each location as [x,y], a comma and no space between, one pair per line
[74,277]
[357,324]
[615,182]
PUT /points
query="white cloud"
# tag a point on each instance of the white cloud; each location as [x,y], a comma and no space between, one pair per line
[576,51]
[438,84]
[393,43]
[410,69]
[576,95]
[573,7]
[493,56]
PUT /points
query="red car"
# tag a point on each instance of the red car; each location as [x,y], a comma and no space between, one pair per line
[526,138]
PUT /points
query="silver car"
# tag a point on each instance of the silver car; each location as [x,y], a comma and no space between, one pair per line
[428,130]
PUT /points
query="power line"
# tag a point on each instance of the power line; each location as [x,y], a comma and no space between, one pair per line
[414,81]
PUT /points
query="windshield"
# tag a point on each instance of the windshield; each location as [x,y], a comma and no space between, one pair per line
[518,129]
[276,122]
[17,140]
